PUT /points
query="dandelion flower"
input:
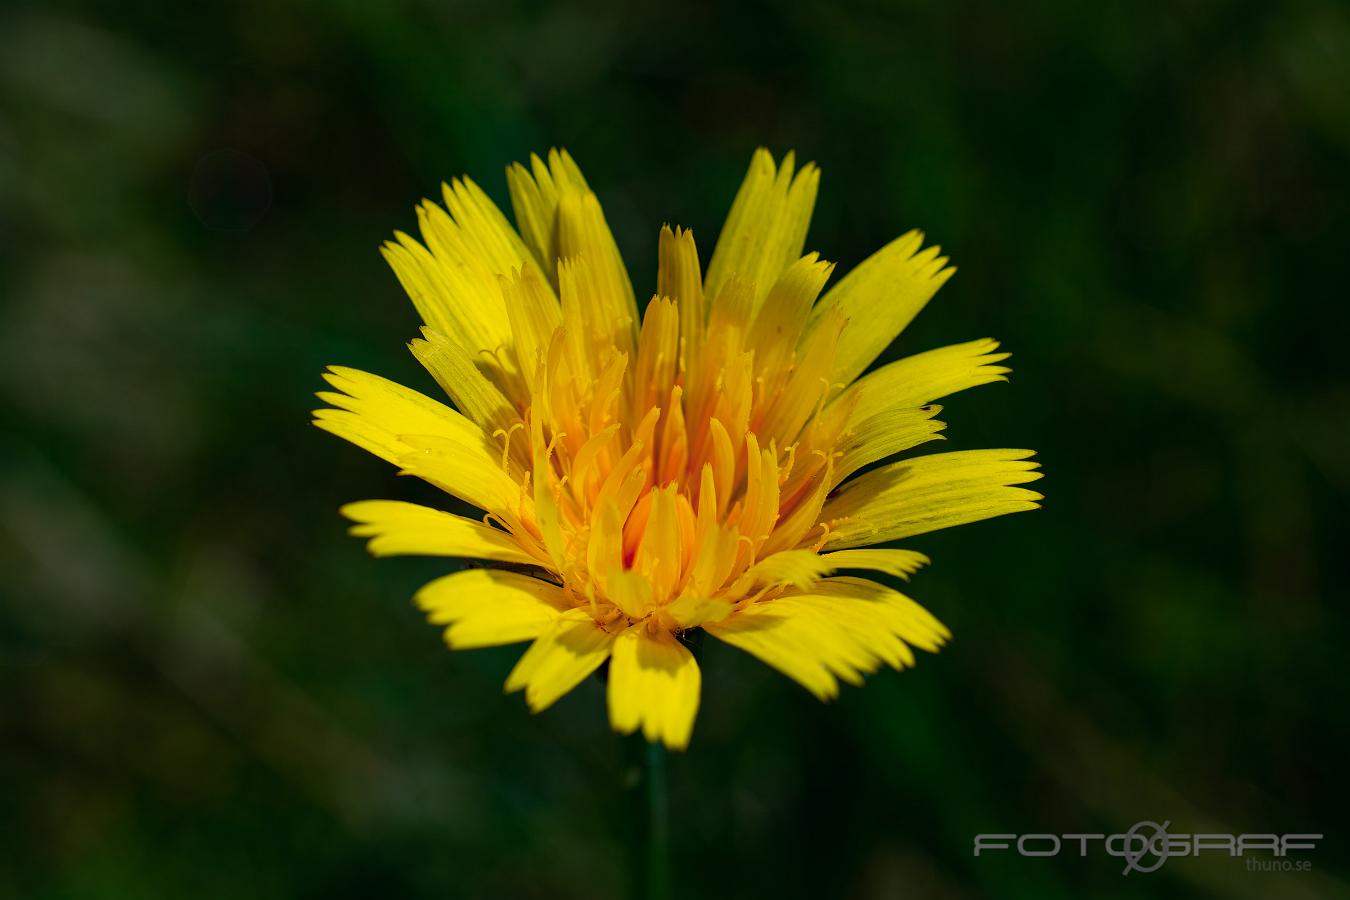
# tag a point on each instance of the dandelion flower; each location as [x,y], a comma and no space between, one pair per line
[693,466]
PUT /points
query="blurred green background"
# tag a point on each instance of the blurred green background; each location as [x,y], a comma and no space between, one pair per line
[208,690]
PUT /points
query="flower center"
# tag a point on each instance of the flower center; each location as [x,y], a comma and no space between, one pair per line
[660,480]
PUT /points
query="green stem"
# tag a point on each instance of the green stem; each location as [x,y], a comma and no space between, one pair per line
[658,823]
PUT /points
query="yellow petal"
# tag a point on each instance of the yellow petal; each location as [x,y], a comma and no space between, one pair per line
[584,235]
[806,389]
[453,301]
[759,505]
[452,280]
[571,648]
[679,278]
[659,555]
[630,592]
[484,231]
[534,197]
[842,629]
[394,410]
[766,227]
[396,528]
[801,641]
[928,493]
[535,315]
[474,479]
[901,615]
[879,298]
[561,218]
[799,568]
[657,356]
[779,323]
[546,511]
[424,437]
[925,377]
[891,431]
[476,395]
[892,561]
[489,607]
[691,610]
[653,684]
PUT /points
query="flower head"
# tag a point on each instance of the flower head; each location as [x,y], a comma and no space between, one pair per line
[693,467]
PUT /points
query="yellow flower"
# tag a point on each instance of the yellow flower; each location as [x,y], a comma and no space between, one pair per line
[698,471]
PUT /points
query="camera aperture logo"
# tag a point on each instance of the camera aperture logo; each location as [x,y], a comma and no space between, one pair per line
[1148,845]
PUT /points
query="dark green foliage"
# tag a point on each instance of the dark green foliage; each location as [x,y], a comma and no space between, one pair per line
[207,690]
